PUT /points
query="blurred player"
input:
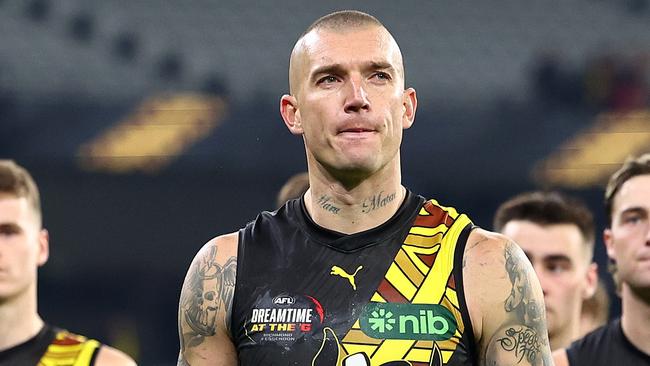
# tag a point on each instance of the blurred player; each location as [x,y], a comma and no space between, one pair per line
[557,234]
[24,338]
[625,340]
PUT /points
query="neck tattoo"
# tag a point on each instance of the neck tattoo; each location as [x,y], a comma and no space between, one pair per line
[377,201]
[325,204]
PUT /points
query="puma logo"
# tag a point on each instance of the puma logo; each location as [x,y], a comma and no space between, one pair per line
[338,271]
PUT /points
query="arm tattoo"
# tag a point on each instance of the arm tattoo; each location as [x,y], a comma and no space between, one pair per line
[523,342]
[524,333]
[521,300]
[207,293]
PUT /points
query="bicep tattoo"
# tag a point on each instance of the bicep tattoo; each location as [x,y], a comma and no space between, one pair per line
[523,337]
[521,302]
[206,296]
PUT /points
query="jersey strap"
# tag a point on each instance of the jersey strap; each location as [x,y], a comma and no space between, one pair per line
[69,349]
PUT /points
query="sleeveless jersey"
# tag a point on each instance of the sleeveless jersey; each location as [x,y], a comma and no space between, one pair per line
[52,347]
[392,295]
[607,345]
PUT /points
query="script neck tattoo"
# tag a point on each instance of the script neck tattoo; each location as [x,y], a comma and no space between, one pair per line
[378,200]
[325,202]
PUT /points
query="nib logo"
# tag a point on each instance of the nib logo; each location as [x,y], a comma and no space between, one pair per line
[381,320]
[407,321]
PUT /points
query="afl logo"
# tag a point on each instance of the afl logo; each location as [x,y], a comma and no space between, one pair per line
[283,300]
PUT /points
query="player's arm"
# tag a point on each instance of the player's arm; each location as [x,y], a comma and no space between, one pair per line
[205,305]
[505,302]
[109,356]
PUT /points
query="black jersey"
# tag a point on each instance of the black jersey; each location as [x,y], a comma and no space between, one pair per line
[392,295]
[52,347]
[606,345]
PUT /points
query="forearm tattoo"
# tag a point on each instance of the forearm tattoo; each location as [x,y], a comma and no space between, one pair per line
[206,296]
[524,333]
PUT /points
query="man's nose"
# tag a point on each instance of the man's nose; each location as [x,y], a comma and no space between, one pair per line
[357,97]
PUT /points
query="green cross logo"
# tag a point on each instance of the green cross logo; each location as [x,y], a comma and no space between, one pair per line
[381,320]
[407,321]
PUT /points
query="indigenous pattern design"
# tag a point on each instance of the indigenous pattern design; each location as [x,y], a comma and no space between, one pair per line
[421,273]
[69,349]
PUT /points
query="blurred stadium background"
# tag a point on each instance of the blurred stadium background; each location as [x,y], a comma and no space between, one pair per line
[151,126]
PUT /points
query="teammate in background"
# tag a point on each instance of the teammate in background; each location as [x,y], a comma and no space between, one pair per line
[24,338]
[625,340]
[295,187]
[359,271]
[557,234]
[595,310]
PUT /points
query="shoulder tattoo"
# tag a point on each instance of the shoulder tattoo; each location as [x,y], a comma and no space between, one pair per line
[206,297]
[523,338]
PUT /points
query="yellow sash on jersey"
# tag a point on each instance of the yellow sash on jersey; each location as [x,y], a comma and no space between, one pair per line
[421,273]
[69,349]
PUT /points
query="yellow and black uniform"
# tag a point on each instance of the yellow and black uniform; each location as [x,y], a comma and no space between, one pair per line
[392,295]
[52,347]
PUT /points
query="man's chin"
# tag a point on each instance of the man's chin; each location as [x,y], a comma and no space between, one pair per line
[357,167]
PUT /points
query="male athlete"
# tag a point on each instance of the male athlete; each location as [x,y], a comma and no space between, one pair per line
[557,234]
[359,271]
[625,340]
[24,338]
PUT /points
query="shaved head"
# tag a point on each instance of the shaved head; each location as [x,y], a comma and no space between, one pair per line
[345,19]
[340,22]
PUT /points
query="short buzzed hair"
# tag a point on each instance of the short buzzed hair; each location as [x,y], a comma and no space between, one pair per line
[339,21]
[16,180]
[548,208]
[343,19]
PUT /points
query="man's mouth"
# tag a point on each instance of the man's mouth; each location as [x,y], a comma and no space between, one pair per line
[356,131]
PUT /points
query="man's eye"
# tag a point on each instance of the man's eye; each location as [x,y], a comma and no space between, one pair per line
[632,219]
[381,76]
[8,231]
[327,80]
[556,268]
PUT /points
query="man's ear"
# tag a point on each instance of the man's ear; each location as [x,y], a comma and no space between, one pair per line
[410,102]
[592,281]
[43,247]
[291,114]
[609,244]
